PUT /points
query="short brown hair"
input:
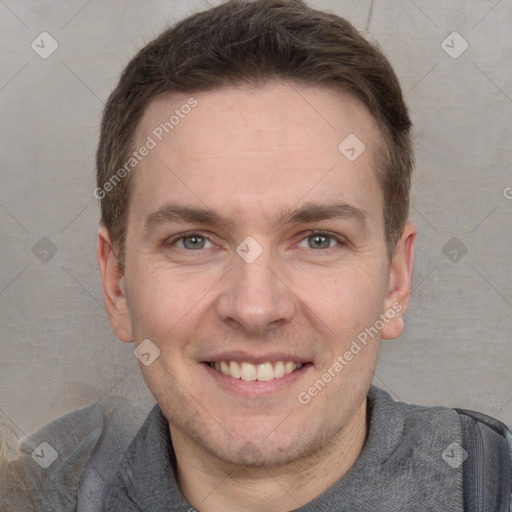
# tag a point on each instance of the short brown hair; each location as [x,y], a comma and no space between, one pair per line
[253,42]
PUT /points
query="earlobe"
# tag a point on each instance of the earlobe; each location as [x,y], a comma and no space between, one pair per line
[114,287]
[400,282]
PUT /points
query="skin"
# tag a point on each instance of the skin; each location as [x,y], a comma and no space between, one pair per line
[251,153]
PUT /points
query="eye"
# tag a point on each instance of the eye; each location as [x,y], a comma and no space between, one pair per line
[318,239]
[190,241]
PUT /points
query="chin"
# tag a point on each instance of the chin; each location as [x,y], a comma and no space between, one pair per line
[252,456]
[254,450]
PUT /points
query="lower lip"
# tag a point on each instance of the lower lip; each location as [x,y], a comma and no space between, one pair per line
[256,387]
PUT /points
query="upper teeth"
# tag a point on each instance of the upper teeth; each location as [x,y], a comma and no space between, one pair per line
[261,372]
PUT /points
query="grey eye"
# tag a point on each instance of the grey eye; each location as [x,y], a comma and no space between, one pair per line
[193,242]
[319,241]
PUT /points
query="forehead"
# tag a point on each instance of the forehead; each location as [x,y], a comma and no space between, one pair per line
[258,147]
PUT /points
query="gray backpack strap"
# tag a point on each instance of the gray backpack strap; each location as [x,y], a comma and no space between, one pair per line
[487,471]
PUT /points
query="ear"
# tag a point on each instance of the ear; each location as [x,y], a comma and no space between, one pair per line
[400,281]
[114,290]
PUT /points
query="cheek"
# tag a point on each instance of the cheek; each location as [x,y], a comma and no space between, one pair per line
[163,303]
[346,300]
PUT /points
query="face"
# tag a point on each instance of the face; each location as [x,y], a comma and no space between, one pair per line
[254,259]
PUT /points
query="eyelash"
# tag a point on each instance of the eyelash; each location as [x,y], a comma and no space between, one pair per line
[319,232]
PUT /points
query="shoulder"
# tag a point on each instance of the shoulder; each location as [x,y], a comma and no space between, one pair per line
[415,420]
[436,420]
[46,470]
[474,445]
[122,421]
[66,464]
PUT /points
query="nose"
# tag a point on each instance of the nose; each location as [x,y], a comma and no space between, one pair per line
[256,297]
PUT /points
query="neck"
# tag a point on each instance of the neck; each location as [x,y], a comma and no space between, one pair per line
[212,485]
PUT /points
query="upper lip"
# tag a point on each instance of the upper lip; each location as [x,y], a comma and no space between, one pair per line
[253,358]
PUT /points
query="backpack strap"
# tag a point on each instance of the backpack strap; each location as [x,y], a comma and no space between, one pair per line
[487,471]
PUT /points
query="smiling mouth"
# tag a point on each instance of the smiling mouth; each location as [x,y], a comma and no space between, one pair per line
[261,372]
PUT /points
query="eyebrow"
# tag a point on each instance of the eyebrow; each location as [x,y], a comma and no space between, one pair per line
[309,212]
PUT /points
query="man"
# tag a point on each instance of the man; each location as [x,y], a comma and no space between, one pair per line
[254,170]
